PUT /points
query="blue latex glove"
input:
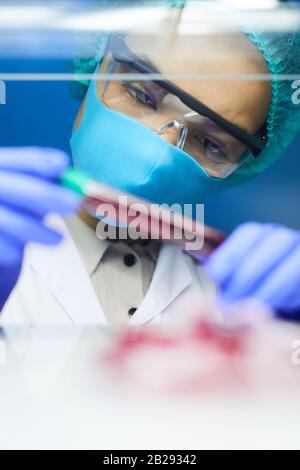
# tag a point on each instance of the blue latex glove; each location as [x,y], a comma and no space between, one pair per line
[28,192]
[261,262]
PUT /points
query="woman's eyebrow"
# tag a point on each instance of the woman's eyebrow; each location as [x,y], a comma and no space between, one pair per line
[212,124]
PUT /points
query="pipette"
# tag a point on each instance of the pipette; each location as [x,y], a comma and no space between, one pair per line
[154,222]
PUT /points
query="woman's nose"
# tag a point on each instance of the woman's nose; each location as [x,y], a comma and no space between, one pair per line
[165,127]
[171,135]
[174,132]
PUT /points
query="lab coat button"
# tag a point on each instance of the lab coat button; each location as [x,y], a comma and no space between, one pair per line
[129,260]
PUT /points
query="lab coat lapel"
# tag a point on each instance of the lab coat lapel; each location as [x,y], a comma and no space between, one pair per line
[63,271]
[171,277]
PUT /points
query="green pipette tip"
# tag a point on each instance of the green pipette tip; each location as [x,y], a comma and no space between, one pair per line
[75,180]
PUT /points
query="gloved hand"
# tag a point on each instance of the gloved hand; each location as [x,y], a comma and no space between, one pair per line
[28,192]
[261,262]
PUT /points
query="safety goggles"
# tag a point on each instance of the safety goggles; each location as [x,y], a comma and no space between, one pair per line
[219,146]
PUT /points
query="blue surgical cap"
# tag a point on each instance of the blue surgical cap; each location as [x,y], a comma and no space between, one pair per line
[282,55]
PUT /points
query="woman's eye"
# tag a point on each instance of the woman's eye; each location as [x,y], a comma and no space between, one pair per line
[140,96]
[212,149]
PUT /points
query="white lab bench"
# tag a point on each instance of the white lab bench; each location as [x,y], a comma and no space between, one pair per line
[54,394]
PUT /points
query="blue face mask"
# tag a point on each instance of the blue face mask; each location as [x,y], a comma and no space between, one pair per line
[120,152]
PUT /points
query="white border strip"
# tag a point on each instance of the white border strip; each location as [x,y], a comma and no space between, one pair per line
[85,77]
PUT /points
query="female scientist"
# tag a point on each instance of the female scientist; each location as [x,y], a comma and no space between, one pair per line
[169,142]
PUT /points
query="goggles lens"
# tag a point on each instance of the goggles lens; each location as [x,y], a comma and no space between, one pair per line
[214,149]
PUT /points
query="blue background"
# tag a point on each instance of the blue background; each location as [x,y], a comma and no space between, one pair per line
[42,113]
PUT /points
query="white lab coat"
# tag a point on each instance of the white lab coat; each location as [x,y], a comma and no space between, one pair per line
[55,289]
